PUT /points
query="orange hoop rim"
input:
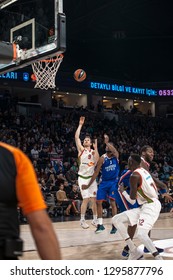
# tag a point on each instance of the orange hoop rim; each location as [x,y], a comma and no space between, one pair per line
[59,57]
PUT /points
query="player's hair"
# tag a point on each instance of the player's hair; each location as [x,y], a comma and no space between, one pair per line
[88,136]
[136,158]
[145,148]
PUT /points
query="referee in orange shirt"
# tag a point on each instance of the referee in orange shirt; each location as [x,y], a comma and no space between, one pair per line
[19,188]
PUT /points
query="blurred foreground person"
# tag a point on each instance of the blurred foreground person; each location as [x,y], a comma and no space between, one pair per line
[19,188]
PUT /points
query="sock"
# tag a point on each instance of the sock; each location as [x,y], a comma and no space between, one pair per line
[100,221]
[82,217]
[94,217]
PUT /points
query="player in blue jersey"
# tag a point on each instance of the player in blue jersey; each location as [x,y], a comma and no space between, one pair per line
[108,165]
[121,201]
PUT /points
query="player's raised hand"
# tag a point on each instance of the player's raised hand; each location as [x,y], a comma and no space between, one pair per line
[81,120]
[106,138]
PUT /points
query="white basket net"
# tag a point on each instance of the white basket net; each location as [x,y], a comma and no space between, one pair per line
[45,71]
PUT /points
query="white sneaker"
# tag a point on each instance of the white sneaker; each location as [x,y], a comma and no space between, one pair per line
[158,257]
[136,254]
[83,224]
[94,223]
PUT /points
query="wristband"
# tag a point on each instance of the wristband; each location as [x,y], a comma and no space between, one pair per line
[127,197]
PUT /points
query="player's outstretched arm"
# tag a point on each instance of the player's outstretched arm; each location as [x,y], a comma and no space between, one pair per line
[96,154]
[77,134]
[96,173]
[110,146]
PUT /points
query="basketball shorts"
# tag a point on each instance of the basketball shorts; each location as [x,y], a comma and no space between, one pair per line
[91,191]
[123,204]
[144,216]
[107,189]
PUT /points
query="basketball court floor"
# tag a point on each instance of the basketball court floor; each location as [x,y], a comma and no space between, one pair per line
[83,244]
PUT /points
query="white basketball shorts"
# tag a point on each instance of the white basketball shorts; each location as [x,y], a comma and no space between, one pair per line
[91,191]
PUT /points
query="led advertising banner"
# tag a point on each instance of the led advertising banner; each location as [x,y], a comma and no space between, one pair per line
[17,76]
[95,85]
[130,89]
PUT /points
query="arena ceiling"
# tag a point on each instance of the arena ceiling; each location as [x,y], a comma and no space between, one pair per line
[120,39]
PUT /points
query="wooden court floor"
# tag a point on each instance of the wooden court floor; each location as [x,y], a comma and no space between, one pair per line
[83,244]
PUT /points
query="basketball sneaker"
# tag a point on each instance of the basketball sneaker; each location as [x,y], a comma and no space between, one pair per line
[160,250]
[83,224]
[113,230]
[125,252]
[94,223]
[136,254]
[100,228]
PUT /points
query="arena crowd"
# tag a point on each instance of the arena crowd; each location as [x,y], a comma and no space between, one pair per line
[47,138]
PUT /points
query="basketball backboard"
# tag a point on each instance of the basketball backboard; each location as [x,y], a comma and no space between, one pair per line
[38,27]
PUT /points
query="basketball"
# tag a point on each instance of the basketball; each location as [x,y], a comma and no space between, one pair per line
[79,75]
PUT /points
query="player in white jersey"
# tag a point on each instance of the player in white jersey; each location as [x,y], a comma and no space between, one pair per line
[144,191]
[87,161]
[147,155]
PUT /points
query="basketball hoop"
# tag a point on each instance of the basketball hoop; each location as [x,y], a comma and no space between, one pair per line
[45,71]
